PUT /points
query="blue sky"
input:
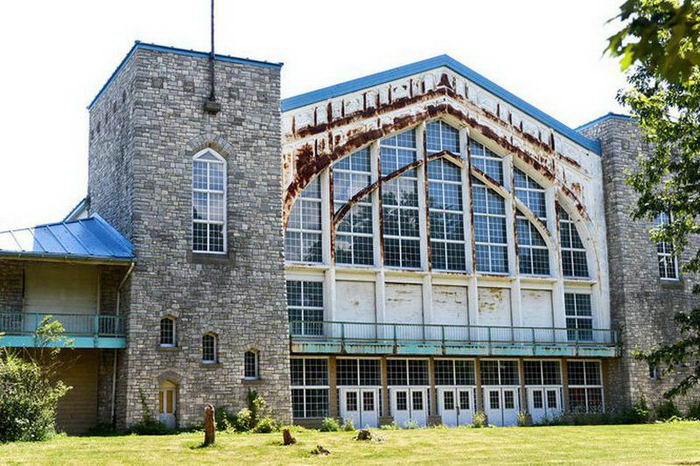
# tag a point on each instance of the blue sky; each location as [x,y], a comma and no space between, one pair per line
[57,55]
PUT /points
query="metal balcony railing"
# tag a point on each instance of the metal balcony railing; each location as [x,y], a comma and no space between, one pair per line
[453,335]
[94,325]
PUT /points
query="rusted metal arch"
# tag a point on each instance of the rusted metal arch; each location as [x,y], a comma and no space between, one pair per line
[309,164]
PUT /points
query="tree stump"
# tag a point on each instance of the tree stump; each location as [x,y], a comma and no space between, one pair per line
[209,425]
[287,437]
[364,434]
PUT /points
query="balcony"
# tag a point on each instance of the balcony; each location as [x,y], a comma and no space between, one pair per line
[364,338]
[85,330]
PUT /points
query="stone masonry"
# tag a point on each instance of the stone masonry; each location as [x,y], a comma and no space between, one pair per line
[144,130]
[642,305]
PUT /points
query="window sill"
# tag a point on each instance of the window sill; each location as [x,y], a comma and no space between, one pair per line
[671,284]
[210,365]
[209,257]
[168,349]
[245,381]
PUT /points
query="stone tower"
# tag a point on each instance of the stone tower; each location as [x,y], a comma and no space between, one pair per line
[642,302]
[146,125]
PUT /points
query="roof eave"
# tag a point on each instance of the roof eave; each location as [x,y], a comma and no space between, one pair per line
[51,257]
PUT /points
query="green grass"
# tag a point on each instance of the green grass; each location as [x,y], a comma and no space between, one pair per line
[674,443]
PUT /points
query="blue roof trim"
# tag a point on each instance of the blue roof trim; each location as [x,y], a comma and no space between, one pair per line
[189,53]
[91,238]
[606,117]
[75,211]
[431,63]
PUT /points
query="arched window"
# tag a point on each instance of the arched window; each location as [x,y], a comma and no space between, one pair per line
[209,348]
[251,365]
[532,250]
[668,262]
[446,216]
[533,253]
[400,202]
[353,243]
[440,136]
[167,332]
[302,241]
[573,253]
[489,229]
[208,202]
[486,161]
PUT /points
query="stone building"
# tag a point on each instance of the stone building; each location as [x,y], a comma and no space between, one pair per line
[411,246]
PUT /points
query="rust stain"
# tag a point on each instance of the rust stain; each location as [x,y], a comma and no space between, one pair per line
[445,81]
[308,166]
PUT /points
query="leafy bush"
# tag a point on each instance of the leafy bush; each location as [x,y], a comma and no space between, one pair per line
[225,419]
[29,389]
[524,419]
[150,427]
[638,413]
[243,420]
[393,426]
[666,410]
[411,424]
[329,424]
[266,425]
[480,419]
[694,411]
[348,425]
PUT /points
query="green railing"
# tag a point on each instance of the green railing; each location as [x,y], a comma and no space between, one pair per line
[94,325]
[396,333]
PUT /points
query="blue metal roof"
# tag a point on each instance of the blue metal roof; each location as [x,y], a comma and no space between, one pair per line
[91,238]
[189,53]
[606,117]
[431,63]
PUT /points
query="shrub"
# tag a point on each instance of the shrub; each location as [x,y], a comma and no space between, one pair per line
[266,425]
[150,427]
[242,421]
[480,419]
[694,411]
[29,390]
[225,419]
[524,419]
[638,413]
[411,424]
[666,410]
[348,425]
[393,426]
[329,424]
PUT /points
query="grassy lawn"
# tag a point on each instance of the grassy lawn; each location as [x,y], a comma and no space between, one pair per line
[676,443]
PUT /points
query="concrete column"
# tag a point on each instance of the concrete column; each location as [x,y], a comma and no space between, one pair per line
[466,200]
[434,418]
[523,394]
[333,388]
[326,215]
[565,385]
[385,416]
[422,201]
[477,380]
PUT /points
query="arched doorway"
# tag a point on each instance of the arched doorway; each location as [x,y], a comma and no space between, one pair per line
[167,404]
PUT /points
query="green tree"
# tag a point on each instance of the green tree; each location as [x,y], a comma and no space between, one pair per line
[659,47]
[29,388]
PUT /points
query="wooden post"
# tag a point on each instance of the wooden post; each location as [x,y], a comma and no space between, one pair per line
[209,425]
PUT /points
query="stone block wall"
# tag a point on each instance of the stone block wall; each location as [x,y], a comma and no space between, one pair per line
[140,182]
[642,305]
[11,285]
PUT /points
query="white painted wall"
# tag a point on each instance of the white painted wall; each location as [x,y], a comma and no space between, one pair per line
[450,305]
[536,308]
[494,306]
[404,303]
[355,301]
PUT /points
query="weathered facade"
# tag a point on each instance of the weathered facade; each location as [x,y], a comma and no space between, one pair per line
[412,246]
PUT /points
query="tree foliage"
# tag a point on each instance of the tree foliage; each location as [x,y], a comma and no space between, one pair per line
[660,49]
[29,389]
[664,34]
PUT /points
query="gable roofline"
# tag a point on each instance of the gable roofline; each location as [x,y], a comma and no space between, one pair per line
[393,74]
[138,45]
[603,118]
